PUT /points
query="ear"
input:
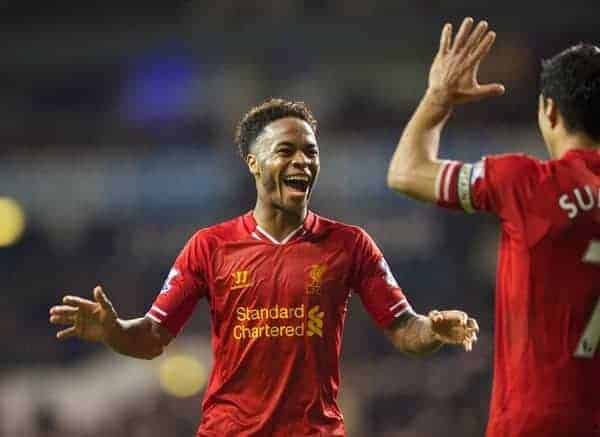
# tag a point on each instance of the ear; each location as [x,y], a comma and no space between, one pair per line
[252,163]
[551,111]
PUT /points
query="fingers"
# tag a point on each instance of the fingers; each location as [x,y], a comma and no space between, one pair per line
[455,327]
[476,35]
[63,310]
[78,312]
[484,91]
[63,315]
[481,50]
[63,319]
[79,302]
[482,43]
[449,316]
[470,334]
[66,333]
[436,316]
[473,45]
[450,325]
[446,38]
[468,342]
[462,35]
[491,90]
[473,337]
[100,297]
[473,325]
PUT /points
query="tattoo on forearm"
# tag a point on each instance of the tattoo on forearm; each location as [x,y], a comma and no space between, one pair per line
[412,334]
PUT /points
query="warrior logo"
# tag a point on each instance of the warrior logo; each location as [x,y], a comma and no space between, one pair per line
[241,279]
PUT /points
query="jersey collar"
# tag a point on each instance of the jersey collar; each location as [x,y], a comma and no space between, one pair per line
[258,233]
[576,153]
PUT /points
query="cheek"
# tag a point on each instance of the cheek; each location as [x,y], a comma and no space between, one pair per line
[543,123]
[269,177]
[270,183]
[316,167]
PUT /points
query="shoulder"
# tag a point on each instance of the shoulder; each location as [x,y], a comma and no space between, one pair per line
[513,169]
[512,162]
[214,235]
[339,229]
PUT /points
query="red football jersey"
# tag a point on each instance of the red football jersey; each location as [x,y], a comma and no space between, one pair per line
[547,319]
[277,311]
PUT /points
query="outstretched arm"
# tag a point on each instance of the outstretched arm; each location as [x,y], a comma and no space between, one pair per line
[419,335]
[415,166]
[98,321]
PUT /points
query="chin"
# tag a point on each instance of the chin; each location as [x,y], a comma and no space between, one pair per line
[295,207]
[298,207]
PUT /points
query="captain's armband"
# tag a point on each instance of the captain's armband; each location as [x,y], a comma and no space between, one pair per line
[454,185]
[464,188]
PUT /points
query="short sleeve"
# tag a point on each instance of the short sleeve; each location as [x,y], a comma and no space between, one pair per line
[503,184]
[499,184]
[374,282]
[183,287]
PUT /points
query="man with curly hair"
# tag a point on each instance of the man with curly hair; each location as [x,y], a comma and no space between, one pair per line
[277,280]
[546,363]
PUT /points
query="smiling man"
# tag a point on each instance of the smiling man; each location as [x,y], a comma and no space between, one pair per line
[277,280]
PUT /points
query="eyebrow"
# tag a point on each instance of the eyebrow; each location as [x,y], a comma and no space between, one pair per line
[290,144]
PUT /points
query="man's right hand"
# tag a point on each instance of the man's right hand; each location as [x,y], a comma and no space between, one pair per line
[453,75]
[88,320]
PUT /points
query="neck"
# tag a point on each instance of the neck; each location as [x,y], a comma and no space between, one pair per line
[573,141]
[276,221]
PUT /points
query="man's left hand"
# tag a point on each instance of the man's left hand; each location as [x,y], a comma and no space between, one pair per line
[454,327]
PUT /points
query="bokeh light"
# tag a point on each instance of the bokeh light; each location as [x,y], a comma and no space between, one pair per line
[12,221]
[182,375]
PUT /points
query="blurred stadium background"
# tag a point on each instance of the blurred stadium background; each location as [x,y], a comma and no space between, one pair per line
[116,144]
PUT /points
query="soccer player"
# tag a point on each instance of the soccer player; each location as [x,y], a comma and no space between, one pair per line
[547,323]
[277,281]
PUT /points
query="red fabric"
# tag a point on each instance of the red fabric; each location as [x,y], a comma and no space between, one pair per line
[545,293]
[277,313]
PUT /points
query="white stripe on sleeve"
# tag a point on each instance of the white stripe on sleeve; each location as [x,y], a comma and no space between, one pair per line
[440,178]
[408,308]
[158,310]
[448,179]
[153,318]
[397,304]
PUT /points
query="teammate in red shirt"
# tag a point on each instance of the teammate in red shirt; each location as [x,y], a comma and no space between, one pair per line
[277,280]
[547,324]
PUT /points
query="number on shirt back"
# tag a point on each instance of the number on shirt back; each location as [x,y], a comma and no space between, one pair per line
[592,254]
[586,348]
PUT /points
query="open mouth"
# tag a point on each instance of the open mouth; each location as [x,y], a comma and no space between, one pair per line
[297,183]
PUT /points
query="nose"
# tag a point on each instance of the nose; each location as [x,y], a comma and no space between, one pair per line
[300,159]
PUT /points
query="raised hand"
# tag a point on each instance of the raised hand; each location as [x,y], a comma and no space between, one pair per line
[453,74]
[88,320]
[454,327]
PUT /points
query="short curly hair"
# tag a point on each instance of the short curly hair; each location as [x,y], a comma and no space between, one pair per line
[255,120]
[572,80]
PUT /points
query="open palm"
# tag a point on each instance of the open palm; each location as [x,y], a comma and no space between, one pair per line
[88,320]
[453,74]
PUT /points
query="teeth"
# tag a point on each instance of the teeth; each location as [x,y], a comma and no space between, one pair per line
[297,178]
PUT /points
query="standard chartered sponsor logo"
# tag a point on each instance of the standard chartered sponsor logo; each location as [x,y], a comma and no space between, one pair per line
[278,321]
[314,324]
